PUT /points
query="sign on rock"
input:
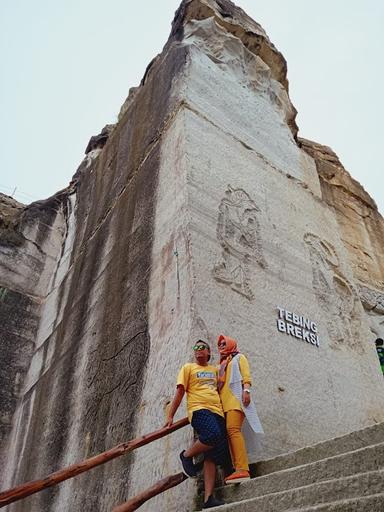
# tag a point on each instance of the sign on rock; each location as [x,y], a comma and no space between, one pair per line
[298,326]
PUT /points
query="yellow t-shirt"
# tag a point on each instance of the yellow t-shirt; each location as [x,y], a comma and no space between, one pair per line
[200,384]
[228,399]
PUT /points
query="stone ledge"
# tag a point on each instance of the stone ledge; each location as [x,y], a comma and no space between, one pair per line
[338,445]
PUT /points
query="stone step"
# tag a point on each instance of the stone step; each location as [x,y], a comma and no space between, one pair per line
[363,460]
[349,442]
[373,503]
[326,492]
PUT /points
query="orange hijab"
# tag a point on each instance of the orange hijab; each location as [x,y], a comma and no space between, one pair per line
[225,357]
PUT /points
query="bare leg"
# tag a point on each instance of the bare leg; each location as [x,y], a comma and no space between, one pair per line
[209,478]
[197,448]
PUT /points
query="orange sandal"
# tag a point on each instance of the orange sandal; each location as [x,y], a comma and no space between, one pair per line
[237,477]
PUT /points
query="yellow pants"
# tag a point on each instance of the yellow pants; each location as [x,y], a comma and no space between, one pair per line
[234,420]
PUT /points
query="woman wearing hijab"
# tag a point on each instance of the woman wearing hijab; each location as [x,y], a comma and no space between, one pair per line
[240,412]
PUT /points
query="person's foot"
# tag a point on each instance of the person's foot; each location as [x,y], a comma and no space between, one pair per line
[188,465]
[237,477]
[213,502]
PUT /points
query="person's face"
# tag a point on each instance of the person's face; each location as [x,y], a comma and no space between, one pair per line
[201,353]
[222,346]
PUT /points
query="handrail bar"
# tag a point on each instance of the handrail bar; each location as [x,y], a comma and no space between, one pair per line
[159,487]
[29,488]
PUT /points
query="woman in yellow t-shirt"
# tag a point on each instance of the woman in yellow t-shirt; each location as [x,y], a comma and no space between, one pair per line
[199,381]
[234,390]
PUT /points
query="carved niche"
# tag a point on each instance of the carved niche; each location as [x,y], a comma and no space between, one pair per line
[373,303]
[336,295]
[238,232]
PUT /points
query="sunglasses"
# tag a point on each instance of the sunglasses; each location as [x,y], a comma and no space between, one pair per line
[200,347]
[222,344]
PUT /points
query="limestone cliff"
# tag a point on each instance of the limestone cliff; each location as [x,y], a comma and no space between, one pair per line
[30,237]
[199,212]
[361,229]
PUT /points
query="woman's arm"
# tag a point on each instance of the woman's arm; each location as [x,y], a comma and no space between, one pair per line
[175,404]
[246,380]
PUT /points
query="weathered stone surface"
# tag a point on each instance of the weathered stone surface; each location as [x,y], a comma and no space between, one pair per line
[30,239]
[356,486]
[199,212]
[99,141]
[351,442]
[314,478]
[361,225]
[92,342]
[359,461]
[368,503]
[10,211]
[361,230]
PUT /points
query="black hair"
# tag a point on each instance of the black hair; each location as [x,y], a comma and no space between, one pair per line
[379,342]
[208,347]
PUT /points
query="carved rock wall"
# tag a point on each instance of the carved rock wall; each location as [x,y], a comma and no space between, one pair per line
[30,241]
[361,229]
[82,390]
[258,235]
[292,222]
[198,213]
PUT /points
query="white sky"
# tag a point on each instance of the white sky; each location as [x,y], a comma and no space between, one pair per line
[66,67]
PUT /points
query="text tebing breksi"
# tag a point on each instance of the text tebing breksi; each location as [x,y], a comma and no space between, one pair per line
[298,326]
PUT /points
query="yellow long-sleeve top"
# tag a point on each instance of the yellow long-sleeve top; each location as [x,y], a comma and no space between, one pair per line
[228,399]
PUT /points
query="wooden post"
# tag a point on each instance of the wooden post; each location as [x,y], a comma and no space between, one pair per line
[158,488]
[24,490]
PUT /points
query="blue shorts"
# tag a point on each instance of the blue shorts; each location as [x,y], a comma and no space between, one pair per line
[210,428]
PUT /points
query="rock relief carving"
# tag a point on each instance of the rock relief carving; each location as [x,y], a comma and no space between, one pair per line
[336,295]
[373,303]
[238,232]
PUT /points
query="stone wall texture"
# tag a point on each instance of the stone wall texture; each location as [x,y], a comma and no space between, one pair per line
[200,212]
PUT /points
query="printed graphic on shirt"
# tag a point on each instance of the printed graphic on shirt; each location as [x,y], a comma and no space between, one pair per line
[206,375]
[207,378]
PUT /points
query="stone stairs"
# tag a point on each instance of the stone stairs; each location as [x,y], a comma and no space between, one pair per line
[345,474]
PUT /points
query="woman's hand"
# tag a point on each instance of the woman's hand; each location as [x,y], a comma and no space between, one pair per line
[246,398]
